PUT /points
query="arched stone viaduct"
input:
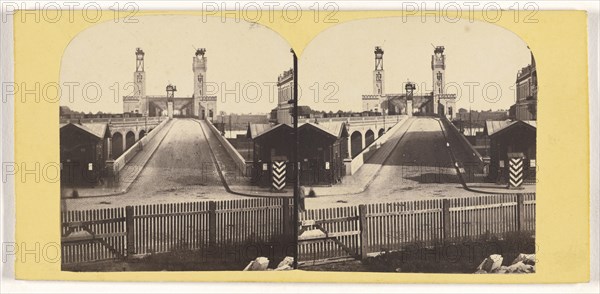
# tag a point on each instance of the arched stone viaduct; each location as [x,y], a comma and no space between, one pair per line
[124,132]
[365,130]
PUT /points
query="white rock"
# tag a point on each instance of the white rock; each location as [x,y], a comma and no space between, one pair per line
[492,263]
[284,268]
[502,270]
[259,264]
[287,261]
[525,258]
[520,267]
[247,268]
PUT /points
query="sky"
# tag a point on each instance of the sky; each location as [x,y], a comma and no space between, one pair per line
[243,54]
[244,61]
[475,53]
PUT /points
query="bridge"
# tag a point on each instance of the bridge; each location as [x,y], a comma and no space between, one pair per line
[182,158]
[170,142]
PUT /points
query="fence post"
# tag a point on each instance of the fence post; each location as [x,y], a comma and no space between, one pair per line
[362,223]
[212,224]
[285,204]
[129,231]
[446,220]
[520,212]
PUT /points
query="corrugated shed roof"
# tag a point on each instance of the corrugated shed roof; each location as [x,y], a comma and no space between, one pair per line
[97,129]
[334,128]
[255,130]
[494,126]
[533,123]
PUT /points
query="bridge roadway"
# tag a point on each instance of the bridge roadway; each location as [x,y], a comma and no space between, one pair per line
[421,157]
[419,166]
[181,169]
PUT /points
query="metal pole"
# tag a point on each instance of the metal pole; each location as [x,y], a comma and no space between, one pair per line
[470,122]
[295,155]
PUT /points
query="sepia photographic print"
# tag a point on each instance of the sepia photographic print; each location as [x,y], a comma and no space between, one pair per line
[439,149]
[388,145]
[156,170]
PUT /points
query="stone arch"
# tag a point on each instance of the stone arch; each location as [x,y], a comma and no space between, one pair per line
[117,145]
[129,139]
[380,133]
[356,144]
[369,137]
[142,134]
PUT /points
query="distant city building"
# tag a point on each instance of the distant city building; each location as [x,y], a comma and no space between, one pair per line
[525,107]
[285,93]
[433,103]
[198,105]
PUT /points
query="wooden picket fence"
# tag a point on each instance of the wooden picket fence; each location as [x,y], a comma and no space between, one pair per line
[343,232]
[105,234]
[93,235]
[354,232]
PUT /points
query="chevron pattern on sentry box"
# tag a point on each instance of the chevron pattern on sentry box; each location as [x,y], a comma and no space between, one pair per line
[516,172]
[279,175]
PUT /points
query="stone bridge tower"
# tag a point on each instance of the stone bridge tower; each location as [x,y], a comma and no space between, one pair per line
[410,89]
[378,73]
[202,108]
[438,68]
[136,102]
[139,75]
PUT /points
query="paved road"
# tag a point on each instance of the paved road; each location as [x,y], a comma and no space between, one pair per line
[423,144]
[182,160]
[418,167]
[420,157]
[182,169]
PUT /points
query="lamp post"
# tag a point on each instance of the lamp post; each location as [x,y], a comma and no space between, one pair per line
[171,92]
[295,154]
[223,123]
[170,99]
